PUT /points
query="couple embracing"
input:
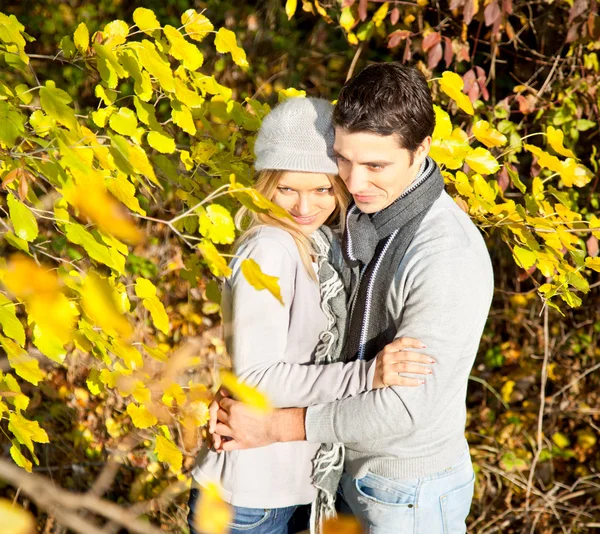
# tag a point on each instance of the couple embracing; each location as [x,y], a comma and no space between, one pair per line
[386,286]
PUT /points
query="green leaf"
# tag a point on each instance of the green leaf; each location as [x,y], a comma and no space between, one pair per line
[24,94]
[23,220]
[167,451]
[108,65]
[161,142]
[27,432]
[146,20]
[13,124]
[142,83]
[67,47]
[77,234]
[94,383]
[259,280]
[81,38]
[54,102]
[26,366]
[10,323]
[182,50]
[124,122]
[17,242]
[225,41]
[42,124]
[108,96]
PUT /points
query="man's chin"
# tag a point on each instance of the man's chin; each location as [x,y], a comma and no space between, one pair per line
[372,206]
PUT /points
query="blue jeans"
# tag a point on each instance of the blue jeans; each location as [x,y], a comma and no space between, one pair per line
[258,520]
[435,504]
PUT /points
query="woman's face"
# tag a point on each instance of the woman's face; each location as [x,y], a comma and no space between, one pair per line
[308,197]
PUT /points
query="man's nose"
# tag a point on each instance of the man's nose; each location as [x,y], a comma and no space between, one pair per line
[355,182]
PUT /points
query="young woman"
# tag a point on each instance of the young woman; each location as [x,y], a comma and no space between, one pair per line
[273,345]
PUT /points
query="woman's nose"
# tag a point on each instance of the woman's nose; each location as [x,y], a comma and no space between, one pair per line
[303,205]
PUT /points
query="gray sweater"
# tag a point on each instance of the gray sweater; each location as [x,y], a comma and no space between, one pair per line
[441,295]
[271,347]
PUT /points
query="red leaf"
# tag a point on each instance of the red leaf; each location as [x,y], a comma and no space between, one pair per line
[492,13]
[455,4]
[23,188]
[469,11]
[395,38]
[448,52]
[431,40]
[362,9]
[503,179]
[394,16]
[572,34]
[469,80]
[348,3]
[481,81]
[407,52]
[592,246]
[579,7]
[526,105]
[13,175]
[434,56]
[507,7]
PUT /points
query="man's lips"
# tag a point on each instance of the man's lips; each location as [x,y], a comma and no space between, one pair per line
[304,220]
[364,198]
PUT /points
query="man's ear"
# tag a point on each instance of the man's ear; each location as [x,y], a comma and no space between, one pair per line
[422,151]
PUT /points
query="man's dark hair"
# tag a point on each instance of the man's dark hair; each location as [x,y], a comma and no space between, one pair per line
[385,99]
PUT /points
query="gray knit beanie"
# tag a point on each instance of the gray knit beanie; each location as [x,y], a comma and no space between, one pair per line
[297,135]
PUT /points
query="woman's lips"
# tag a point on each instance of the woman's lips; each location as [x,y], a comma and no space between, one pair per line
[304,220]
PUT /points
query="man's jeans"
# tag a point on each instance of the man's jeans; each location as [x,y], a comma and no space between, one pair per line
[436,504]
[288,520]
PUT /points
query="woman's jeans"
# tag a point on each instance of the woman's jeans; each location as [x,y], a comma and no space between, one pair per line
[435,504]
[258,520]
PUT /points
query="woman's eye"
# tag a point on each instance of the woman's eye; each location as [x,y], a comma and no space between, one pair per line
[284,189]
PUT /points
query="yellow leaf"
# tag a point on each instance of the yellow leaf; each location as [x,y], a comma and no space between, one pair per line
[124,122]
[217,225]
[26,366]
[27,432]
[155,64]
[101,115]
[115,33]
[15,520]
[259,280]
[99,303]
[347,20]
[443,125]
[196,415]
[381,13]
[25,279]
[482,161]
[483,189]
[174,392]
[196,25]
[487,135]
[140,416]
[128,353]
[286,94]
[244,393]
[161,142]
[81,38]
[23,220]
[573,174]
[524,257]
[10,323]
[188,97]
[167,451]
[352,38]
[213,515]
[544,159]
[290,8]
[452,84]
[257,202]
[555,140]
[225,41]
[507,390]
[124,191]
[593,263]
[342,525]
[144,288]
[216,263]
[158,313]
[21,461]
[105,211]
[182,117]
[54,102]
[146,20]
[187,53]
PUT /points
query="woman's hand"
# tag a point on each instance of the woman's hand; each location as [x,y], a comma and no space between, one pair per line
[395,359]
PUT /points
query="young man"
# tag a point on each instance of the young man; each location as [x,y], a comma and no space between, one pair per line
[421,270]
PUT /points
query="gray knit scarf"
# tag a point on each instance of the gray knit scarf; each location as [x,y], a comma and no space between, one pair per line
[374,247]
[334,280]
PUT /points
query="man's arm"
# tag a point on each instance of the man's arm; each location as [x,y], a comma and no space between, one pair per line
[446,306]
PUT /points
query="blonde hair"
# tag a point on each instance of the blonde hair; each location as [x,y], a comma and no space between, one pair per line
[266,184]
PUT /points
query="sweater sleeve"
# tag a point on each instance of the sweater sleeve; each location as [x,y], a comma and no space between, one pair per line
[447,299]
[258,332]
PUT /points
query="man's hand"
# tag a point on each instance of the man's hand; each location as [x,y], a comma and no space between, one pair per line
[247,428]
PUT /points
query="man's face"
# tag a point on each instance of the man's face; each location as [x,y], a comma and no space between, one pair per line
[374,168]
